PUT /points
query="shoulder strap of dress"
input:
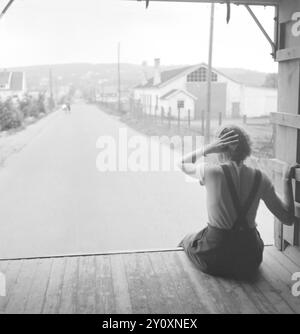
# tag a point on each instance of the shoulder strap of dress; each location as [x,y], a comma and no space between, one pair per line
[234,196]
[254,190]
[242,210]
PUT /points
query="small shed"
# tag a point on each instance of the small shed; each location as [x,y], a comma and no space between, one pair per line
[179,100]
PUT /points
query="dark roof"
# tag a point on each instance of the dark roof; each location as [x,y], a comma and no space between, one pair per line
[168,94]
[165,76]
[170,74]
[14,82]
[173,91]
[231,74]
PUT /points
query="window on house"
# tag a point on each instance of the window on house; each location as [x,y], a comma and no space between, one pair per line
[180,104]
[200,75]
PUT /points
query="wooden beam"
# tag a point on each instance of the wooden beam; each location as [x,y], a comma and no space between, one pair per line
[288,54]
[297,175]
[80,254]
[297,210]
[285,119]
[6,8]
[236,2]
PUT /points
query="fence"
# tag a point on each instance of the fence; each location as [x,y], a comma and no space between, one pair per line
[168,117]
[260,128]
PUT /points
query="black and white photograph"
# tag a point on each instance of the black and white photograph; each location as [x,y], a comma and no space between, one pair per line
[149,159]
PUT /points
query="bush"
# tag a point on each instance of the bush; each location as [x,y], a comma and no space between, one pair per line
[13,111]
[24,105]
[10,116]
[41,104]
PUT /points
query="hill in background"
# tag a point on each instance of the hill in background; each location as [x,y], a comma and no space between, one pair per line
[86,74]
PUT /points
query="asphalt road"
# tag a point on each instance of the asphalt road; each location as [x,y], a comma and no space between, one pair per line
[54,200]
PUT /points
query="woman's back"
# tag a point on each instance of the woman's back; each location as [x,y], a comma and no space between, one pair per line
[221,209]
[220,206]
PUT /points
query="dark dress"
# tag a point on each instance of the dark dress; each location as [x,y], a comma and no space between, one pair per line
[235,253]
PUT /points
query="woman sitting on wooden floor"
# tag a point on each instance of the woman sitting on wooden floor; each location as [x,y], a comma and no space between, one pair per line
[230,245]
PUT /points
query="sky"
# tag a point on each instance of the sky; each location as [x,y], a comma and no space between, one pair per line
[35,32]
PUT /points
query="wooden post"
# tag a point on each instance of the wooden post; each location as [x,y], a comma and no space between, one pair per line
[220,118]
[209,75]
[52,103]
[287,146]
[169,117]
[119,77]
[162,115]
[274,139]
[202,122]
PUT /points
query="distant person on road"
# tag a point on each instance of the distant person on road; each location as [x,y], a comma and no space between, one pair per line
[230,245]
[66,108]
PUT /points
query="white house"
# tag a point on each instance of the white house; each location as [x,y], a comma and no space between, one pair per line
[185,88]
[12,84]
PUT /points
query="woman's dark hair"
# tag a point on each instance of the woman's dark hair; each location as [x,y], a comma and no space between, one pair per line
[243,149]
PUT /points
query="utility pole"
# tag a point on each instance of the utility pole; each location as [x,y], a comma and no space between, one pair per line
[209,75]
[119,77]
[51,89]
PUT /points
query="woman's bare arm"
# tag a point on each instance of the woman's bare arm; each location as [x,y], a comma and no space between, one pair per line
[288,196]
[284,209]
[289,201]
[188,162]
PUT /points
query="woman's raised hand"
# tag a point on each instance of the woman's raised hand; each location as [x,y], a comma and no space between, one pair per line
[222,143]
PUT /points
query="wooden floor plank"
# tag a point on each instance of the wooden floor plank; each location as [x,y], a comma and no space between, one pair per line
[68,300]
[206,287]
[157,282]
[186,292]
[3,269]
[120,285]
[19,295]
[284,261]
[272,293]
[153,289]
[3,266]
[168,289]
[263,305]
[238,297]
[39,286]
[105,301]
[293,254]
[222,301]
[54,290]
[136,285]
[11,272]
[281,271]
[86,285]
[281,279]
